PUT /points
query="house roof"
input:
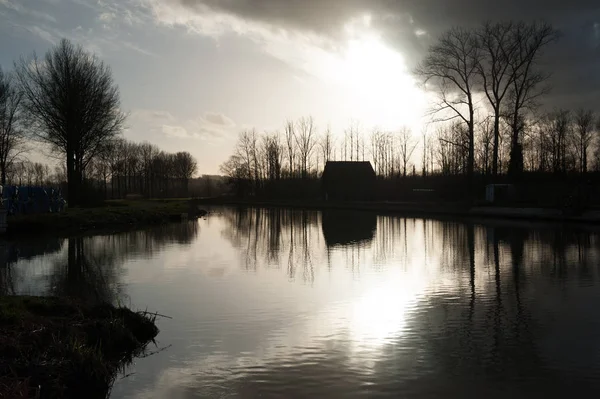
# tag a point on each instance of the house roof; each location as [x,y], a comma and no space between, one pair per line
[345,169]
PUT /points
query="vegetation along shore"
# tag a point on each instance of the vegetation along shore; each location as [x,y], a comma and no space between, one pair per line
[110,216]
[51,347]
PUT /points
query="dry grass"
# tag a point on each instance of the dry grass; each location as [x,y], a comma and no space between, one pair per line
[58,348]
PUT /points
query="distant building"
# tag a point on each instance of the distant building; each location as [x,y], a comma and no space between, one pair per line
[348,181]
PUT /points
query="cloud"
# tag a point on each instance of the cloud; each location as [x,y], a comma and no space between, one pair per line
[175,131]
[106,30]
[327,16]
[45,35]
[25,11]
[302,31]
[107,17]
[218,119]
[210,127]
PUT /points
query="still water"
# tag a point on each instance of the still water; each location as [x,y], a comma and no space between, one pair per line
[303,304]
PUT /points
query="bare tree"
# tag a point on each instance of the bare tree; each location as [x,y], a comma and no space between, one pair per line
[326,144]
[452,150]
[305,140]
[486,146]
[273,156]
[234,168]
[527,80]
[147,154]
[244,150]
[291,146]
[497,49]
[255,155]
[185,168]
[102,164]
[352,137]
[378,150]
[452,65]
[11,137]
[597,148]
[72,104]
[406,145]
[584,125]
[559,130]
[425,142]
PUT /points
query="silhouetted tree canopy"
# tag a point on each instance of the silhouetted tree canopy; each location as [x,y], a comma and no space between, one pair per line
[11,138]
[71,103]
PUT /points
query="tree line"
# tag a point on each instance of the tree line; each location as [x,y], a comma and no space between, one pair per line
[127,168]
[68,101]
[558,141]
[488,119]
[489,85]
[301,151]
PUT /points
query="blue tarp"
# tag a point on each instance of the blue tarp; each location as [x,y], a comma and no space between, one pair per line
[18,200]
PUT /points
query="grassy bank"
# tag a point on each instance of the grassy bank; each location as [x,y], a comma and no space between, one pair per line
[57,348]
[112,215]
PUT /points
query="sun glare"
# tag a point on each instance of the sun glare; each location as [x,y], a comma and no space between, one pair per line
[381,89]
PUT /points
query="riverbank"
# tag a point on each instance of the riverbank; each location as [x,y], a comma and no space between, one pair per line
[51,347]
[114,215]
[423,209]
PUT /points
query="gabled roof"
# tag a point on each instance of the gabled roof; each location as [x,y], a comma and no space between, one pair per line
[345,169]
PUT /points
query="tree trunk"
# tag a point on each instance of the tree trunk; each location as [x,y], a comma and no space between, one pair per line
[72,180]
[515,164]
[105,185]
[471,157]
[496,142]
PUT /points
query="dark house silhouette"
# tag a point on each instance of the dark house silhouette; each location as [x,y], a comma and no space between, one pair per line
[348,181]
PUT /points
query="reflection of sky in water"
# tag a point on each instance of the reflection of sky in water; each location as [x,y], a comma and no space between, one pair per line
[281,304]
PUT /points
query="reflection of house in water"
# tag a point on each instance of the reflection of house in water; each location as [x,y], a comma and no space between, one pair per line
[348,181]
[348,227]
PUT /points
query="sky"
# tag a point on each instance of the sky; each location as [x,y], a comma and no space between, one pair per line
[194,73]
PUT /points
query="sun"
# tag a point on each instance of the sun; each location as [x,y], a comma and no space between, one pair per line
[380,87]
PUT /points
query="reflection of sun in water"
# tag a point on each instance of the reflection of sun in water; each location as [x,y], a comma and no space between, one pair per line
[380,314]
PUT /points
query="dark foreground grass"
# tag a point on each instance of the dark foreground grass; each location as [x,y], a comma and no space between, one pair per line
[112,215]
[59,348]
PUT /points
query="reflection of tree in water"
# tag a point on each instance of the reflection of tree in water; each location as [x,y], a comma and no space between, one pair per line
[147,242]
[484,341]
[274,238]
[483,332]
[88,274]
[93,267]
[12,252]
[90,268]
[517,259]
[563,252]
[292,239]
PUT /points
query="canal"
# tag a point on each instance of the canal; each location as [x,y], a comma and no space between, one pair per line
[290,303]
